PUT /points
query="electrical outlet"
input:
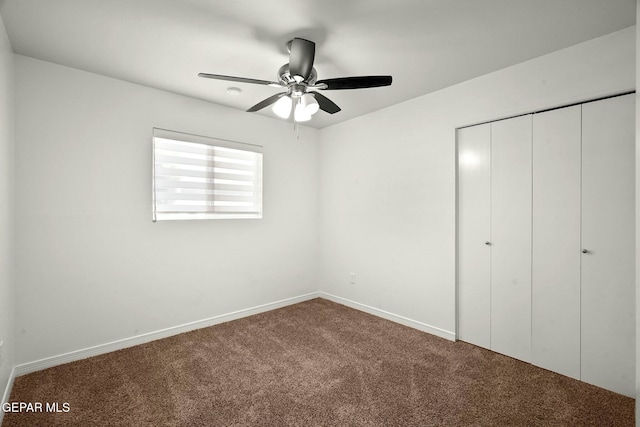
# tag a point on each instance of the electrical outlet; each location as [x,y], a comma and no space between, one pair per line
[352,278]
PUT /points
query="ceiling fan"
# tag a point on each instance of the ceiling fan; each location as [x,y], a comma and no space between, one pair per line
[298,77]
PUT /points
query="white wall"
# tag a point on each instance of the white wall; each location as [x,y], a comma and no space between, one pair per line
[6,206]
[91,266]
[387,179]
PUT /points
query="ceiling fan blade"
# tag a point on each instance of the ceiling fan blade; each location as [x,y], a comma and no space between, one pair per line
[325,103]
[266,102]
[301,55]
[238,79]
[355,82]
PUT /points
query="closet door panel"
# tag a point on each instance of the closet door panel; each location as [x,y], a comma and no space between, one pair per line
[474,256]
[555,329]
[608,234]
[511,237]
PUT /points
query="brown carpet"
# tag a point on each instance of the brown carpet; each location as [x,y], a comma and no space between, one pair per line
[314,363]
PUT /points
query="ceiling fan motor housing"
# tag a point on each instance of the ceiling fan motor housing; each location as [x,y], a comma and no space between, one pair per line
[284,76]
[297,90]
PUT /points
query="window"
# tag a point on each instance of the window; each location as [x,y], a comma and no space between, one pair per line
[196,177]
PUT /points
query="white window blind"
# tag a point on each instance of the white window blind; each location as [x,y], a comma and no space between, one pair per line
[196,177]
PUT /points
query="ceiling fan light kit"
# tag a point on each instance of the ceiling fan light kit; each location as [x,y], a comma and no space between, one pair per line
[282,107]
[298,77]
[300,114]
[309,104]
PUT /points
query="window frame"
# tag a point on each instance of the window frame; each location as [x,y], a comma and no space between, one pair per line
[212,142]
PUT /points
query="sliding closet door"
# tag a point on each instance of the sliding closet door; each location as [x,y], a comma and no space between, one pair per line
[555,329]
[474,222]
[608,235]
[511,237]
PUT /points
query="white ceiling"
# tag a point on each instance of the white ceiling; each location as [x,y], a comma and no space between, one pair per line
[425,45]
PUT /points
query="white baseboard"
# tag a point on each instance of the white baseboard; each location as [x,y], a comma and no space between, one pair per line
[37,365]
[390,316]
[7,392]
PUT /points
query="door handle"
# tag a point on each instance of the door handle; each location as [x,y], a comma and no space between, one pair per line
[585,251]
[487,243]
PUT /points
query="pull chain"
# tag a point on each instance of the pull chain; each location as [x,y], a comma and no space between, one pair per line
[296,126]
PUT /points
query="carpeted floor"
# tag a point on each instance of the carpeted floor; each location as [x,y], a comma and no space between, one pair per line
[313,363]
